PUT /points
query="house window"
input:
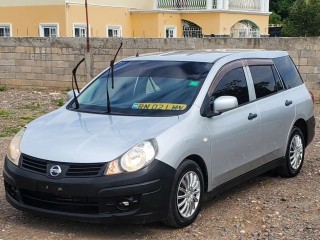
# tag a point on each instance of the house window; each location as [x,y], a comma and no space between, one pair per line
[171,32]
[51,30]
[114,31]
[5,30]
[79,31]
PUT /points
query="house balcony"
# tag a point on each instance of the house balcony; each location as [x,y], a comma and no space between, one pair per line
[261,6]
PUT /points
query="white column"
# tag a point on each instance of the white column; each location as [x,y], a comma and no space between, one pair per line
[262,3]
[266,6]
[226,4]
[155,4]
[219,4]
[209,5]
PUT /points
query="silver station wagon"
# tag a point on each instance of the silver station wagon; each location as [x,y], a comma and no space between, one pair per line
[153,135]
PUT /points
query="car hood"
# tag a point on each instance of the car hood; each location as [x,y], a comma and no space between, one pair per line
[73,137]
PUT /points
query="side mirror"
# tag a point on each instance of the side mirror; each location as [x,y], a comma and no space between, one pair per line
[217,106]
[225,103]
[70,95]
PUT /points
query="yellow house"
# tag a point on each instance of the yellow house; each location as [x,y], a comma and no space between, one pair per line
[134,18]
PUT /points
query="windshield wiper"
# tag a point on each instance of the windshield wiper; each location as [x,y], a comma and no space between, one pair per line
[112,78]
[74,82]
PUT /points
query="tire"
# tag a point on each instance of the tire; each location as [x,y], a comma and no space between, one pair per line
[294,154]
[186,195]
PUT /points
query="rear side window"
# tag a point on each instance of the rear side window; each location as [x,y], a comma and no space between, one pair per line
[233,84]
[263,80]
[288,72]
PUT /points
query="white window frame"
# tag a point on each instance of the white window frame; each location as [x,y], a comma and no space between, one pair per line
[49,25]
[174,31]
[114,28]
[4,26]
[80,26]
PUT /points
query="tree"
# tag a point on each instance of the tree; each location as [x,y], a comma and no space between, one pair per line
[281,7]
[303,19]
[275,19]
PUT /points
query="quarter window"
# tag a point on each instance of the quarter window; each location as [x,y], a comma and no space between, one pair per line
[263,80]
[5,31]
[114,31]
[49,30]
[288,72]
[233,84]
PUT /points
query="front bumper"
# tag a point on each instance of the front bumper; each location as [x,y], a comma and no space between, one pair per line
[95,199]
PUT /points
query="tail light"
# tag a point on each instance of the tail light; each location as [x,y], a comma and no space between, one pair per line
[312,97]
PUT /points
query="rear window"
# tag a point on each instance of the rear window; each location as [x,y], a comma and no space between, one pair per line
[263,79]
[288,72]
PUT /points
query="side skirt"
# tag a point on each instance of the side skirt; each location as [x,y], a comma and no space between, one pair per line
[245,177]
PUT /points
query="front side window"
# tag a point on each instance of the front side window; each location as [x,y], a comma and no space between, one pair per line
[233,84]
[5,30]
[263,80]
[114,31]
[80,31]
[49,30]
[147,88]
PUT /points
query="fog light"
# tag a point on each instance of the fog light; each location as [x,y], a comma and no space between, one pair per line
[10,190]
[124,204]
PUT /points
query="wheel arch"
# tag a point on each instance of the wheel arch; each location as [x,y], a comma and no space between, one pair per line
[203,167]
[302,125]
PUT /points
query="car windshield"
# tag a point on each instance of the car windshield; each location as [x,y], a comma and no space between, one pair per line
[145,88]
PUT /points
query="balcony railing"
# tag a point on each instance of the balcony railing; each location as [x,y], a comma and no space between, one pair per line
[246,5]
[182,4]
[242,5]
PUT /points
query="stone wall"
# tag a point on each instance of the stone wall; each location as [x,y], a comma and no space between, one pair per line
[47,63]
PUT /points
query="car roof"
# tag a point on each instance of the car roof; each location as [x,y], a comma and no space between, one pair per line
[208,55]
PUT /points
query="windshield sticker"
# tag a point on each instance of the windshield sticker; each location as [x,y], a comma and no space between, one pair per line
[159,106]
[194,83]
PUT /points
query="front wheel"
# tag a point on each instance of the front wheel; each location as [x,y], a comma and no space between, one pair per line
[186,195]
[294,155]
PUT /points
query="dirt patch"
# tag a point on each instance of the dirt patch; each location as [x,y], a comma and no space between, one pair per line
[266,207]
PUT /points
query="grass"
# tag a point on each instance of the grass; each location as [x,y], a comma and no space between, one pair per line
[33,106]
[9,131]
[13,118]
[59,102]
[4,113]
[27,118]
[2,88]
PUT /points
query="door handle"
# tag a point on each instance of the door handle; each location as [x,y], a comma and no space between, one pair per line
[288,103]
[252,116]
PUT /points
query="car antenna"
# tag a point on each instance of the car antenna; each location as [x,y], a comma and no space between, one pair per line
[112,65]
[74,82]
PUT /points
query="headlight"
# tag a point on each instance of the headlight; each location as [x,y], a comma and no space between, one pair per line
[136,158]
[14,147]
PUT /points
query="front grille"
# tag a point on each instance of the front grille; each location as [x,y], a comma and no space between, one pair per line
[72,169]
[62,203]
[88,170]
[33,164]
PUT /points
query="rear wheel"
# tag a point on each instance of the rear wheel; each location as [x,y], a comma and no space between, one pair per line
[186,195]
[294,155]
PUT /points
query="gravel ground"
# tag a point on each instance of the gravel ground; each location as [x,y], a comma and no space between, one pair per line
[267,207]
